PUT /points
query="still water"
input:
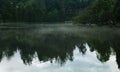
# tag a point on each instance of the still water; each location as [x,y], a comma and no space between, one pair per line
[59,48]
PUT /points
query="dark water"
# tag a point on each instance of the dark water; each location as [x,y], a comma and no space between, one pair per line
[59,48]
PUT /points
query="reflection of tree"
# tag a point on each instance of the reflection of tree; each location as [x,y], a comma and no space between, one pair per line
[7,46]
[116,47]
[46,46]
[82,48]
[102,49]
[55,46]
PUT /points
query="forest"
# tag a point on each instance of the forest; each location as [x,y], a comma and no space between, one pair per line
[40,10]
[77,11]
[101,12]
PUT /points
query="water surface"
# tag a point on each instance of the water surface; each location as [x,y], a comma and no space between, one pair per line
[59,48]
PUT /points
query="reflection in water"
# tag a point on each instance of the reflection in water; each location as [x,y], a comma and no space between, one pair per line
[57,45]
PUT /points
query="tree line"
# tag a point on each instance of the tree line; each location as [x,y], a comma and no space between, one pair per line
[100,12]
[40,10]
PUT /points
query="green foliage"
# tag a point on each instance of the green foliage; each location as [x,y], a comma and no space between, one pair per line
[100,12]
[117,11]
[40,10]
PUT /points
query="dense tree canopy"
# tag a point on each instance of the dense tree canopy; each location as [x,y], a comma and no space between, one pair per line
[40,10]
[117,11]
[100,12]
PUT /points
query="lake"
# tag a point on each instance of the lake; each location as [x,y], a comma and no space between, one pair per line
[59,48]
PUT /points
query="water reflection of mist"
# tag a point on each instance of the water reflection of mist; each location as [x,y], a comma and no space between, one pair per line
[58,45]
